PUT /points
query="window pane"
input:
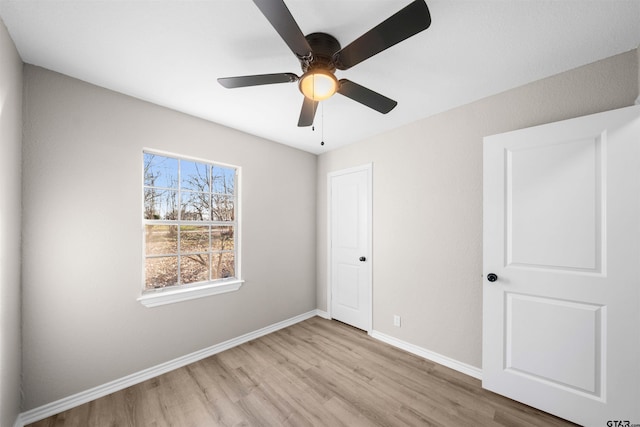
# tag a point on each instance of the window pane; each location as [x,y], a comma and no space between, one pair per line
[222,208]
[184,203]
[194,238]
[160,204]
[161,239]
[161,272]
[195,206]
[160,171]
[223,265]
[194,176]
[194,268]
[222,238]
[223,180]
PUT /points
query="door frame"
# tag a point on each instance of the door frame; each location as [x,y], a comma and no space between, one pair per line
[368,167]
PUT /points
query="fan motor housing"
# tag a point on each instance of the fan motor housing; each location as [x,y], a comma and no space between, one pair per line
[324,46]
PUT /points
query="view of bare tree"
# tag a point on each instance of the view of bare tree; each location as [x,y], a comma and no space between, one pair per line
[200,198]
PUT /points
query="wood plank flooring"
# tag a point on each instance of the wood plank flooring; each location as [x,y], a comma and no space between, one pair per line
[315,373]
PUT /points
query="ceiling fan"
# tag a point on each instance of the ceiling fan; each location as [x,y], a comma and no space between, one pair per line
[320,54]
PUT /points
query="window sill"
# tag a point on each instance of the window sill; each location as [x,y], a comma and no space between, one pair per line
[170,296]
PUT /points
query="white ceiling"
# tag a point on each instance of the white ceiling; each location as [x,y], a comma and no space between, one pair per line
[170,52]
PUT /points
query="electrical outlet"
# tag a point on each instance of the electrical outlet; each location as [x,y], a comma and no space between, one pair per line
[396,320]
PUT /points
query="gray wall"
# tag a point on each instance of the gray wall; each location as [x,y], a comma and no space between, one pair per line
[427,202]
[82,237]
[10,202]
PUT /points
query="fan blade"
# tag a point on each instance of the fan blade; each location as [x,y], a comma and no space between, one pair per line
[366,96]
[260,79]
[308,112]
[404,24]
[281,19]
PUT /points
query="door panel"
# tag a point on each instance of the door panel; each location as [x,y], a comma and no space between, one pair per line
[562,233]
[554,341]
[347,280]
[350,241]
[559,228]
[346,203]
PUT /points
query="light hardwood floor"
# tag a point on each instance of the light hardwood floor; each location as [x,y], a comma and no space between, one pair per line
[315,373]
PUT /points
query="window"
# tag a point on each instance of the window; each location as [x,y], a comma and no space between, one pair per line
[190,226]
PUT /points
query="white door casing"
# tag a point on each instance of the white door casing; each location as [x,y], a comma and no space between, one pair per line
[562,234]
[350,261]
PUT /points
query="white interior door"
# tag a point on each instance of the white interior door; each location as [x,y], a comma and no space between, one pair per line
[561,233]
[350,246]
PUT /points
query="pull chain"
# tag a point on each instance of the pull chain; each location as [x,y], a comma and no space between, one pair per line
[322,129]
[313,126]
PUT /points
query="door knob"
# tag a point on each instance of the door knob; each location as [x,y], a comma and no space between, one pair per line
[492,277]
[363,259]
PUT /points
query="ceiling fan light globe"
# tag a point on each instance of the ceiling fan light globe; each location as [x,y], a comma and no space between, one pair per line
[318,85]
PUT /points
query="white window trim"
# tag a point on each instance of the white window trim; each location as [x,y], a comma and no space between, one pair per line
[175,294]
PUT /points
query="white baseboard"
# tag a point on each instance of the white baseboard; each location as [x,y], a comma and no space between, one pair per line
[83,397]
[19,422]
[323,314]
[77,399]
[430,355]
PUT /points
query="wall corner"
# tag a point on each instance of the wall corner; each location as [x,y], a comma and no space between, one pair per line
[637,102]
